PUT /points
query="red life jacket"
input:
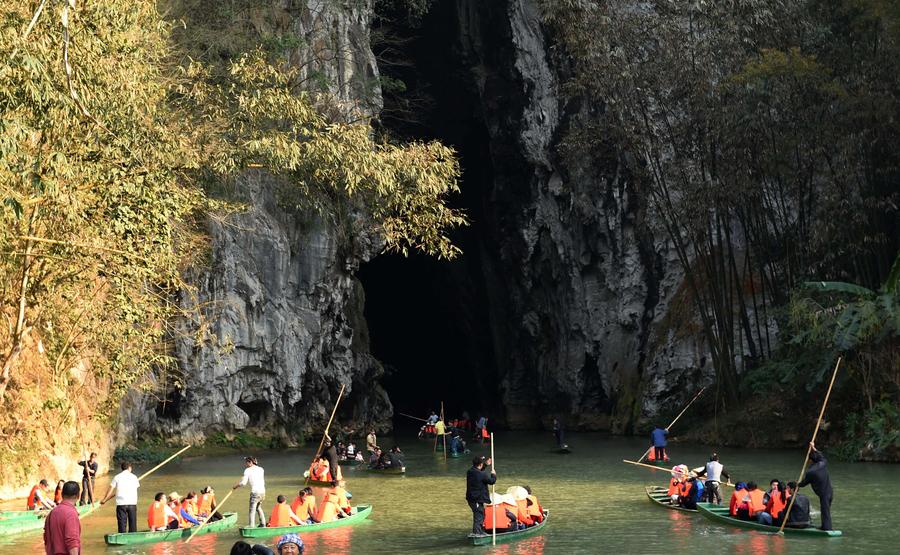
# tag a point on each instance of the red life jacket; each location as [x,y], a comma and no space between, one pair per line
[756,501]
[281,516]
[736,498]
[31,497]
[485,434]
[156,515]
[503,520]
[775,504]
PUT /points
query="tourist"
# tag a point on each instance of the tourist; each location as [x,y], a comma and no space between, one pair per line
[304,505]
[799,516]
[189,508]
[395,458]
[320,469]
[737,496]
[282,515]
[690,493]
[432,419]
[39,498]
[206,504]
[255,476]
[752,503]
[773,489]
[126,486]
[375,459]
[290,544]
[714,472]
[89,474]
[371,441]
[244,548]
[341,450]
[817,477]
[57,495]
[62,529]
[535,511]
[159,515]
[351,452]
[477,481]
[333,504]
[776,500]
[480,425]
[674,490]
[501,512]
[658,442]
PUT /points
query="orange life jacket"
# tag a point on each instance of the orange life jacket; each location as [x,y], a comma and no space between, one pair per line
[331,505]
[522,514]
[305,507]
[343,502]
[775,504]
[756,501]
[651,456]
[182,522]
[674,487]
[320,471]
[57,496]
[156,515]
[535,511]
[685,488]
[503,520]
[485,434]
[31,496]
[281,516]
[205,502]
[736,498]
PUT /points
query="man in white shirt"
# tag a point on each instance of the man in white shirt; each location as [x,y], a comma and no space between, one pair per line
[126,485]
[255,476]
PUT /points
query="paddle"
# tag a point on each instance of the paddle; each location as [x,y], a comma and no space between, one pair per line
[669,470]
[669,427]
[203,522]
[413,417]
[493,497]
[328,427]
[809,448]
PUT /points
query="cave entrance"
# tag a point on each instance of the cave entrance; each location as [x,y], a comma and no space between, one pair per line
[430,320]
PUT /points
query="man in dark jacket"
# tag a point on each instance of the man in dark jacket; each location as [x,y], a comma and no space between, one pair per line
[477,481]
[799,517]
[817,477]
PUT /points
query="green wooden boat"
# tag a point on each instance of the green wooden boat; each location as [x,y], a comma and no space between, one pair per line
[393,471]
[229,520]
[6,516]
[360,512]
[317,483]
[660,496]
[504,537]
[719,514]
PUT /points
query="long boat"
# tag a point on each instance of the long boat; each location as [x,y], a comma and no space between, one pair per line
[229,520]
[660,496]
[35,515]
[719,514]
[360,512]
[503,537]
[390,471]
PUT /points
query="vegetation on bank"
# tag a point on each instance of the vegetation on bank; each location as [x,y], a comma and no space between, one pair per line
[118,127]
[762,136]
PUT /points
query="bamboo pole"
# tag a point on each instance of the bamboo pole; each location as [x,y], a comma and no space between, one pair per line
[444,435]
[647,452]
[787,511]
[669,470]
[413,417]
[328,427]
[160,465]
[203,522]
[493,497]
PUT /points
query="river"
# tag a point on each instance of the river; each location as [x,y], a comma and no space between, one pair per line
[597,503]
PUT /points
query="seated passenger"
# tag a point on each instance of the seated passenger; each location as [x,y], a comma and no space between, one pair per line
[304,505]
[206,504]
[520,496]
[674,490]
[690,493]
[330,510]
[159,515]
[175,505]
[320,469]
[505,515]
[775,503]
[350,455]
[375,458]
[282,515]
[394,458]
[39,498]
[189,509]
[535,511]
[752,503]
[740,489]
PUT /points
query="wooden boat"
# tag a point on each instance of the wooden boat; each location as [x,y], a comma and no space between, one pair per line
[360,512]
[317,483]
[660,496]
[229,520]
[6,516]
[719,514]
[392,471]
[503,537]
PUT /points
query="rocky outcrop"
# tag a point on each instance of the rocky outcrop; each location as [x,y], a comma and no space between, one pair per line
[580,283]
[279,324]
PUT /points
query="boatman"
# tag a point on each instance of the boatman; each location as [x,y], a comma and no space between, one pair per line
[62,530]
[714,471]
[371,441]
[255,476]
[87,479]
[658,442]
[817,477]
[477,481]
[559,433]
[126,485]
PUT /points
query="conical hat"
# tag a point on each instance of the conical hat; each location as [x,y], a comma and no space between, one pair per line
[499,498]
[517,492]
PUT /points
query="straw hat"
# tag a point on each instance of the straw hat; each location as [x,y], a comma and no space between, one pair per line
[498,498]
[174,496]
[517,492]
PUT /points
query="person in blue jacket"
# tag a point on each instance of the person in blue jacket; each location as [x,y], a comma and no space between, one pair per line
[658,441]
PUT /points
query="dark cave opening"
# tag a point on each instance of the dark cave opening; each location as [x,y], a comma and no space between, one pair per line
[429,319]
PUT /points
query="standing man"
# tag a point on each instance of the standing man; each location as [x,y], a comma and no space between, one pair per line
[126,485]
[658,441]
[817,477]
[558,433]
[714,471]
[62,530]
[331,455]
[371,441]
[477,481]
[255,476]
[87,479]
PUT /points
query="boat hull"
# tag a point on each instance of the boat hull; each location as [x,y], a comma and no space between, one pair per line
[660,496]
[505,537]
[229,520]
[719,514]
[361,512]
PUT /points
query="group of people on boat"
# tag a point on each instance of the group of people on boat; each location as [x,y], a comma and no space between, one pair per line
[40,498]
[304,509]
[381,460]
[517,509]
[771,507]
[435,426]
[172,511]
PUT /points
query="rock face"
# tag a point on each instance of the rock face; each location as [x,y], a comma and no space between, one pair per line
[583,291]
[279,326]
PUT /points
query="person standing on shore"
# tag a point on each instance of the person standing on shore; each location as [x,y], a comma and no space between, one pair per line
[255,476]
[477,481]
[126,486]
[62,529]
[87,479]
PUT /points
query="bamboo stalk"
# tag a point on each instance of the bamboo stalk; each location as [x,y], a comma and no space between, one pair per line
[203,522]
[444,435]
[413,417]
[787,511]
[647,452]
[328,427]
[493,496]
[160,465]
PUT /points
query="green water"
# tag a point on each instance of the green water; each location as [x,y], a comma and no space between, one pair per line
[597,503]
